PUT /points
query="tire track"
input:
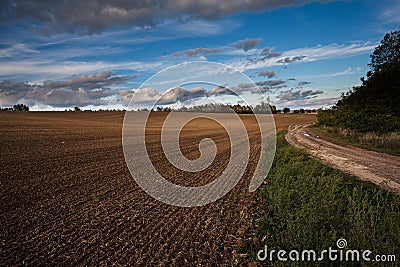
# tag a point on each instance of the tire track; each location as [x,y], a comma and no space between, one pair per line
[378,168]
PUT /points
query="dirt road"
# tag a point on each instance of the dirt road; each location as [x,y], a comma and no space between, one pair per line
[378,168]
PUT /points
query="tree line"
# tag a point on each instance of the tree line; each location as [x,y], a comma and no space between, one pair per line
[17,107]
[262,108]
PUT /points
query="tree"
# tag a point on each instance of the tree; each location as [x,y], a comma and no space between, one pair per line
[286,110]
[273,109]
[238,108]
[77,109]
[386,56]
[20,107]
[375,104]
[264,108]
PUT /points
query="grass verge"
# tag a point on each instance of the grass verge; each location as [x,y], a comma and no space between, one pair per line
[307,205]
[387,143]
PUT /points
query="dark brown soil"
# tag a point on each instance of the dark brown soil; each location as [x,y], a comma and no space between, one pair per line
[67,197]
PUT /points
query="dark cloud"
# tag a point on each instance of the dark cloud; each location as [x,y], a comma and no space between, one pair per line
[265,51]
[265,54]
[235,90]
[88,89]
[298,95]
[142,96]
[247,87]
[247,44]
[180,94]
[288,60]
[220,90]
[250,88]
[88,82]
[11,92]
[303,83]
[273,54]
[266,86]
[266,73]
[94,16]
[64,97]
[238,90]
[196,51]
[149,96]
[271,83]
[152,96]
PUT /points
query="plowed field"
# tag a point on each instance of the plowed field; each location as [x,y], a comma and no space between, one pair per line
[67,197]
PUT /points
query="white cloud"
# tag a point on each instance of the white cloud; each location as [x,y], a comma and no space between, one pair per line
[56,70]
[347,71]
[390,14]
[306,54]
[92,89]
[16,50]
[142,96]
[310,103]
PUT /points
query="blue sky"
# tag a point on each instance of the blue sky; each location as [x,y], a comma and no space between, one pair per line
[302,54]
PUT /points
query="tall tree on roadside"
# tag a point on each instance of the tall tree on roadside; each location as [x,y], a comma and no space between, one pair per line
[375,104]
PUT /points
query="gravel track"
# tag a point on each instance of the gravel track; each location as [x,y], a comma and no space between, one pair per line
[379,168]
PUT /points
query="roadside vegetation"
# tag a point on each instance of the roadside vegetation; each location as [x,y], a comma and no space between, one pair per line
[307,205]
[381,142]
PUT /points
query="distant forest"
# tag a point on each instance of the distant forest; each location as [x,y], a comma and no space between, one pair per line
[262,108]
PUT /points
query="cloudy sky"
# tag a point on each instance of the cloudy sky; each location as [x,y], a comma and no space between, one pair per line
[97,54]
